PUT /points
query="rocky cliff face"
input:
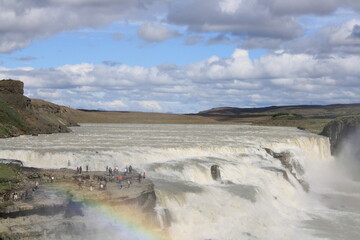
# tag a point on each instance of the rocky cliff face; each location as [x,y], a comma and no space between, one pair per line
[339,129]
[21,115]
[12,92]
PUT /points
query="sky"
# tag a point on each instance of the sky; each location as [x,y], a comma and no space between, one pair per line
[182,56]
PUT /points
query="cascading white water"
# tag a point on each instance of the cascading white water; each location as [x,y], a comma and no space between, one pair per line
[253,201]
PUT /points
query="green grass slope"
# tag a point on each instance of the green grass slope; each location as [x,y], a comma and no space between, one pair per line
[11,121]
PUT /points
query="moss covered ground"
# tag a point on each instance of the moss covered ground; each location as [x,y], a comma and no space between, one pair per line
[10,177]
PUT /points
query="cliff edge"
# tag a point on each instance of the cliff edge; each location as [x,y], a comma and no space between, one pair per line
[22,115]
[66,204]
[339,129]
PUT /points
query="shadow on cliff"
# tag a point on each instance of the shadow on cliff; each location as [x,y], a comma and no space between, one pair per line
[348,155]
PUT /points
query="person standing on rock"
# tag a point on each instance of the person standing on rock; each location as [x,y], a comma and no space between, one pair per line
[128,182]
[15,197]
[139,178]
[121,183]
[87,168]
[80,169]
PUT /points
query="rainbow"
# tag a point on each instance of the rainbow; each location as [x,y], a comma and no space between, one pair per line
[117,221]
[123,222]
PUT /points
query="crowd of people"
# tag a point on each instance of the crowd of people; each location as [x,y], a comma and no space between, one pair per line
[26,194]
[124,178]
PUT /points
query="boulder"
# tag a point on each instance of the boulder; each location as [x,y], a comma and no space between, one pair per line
[215,172]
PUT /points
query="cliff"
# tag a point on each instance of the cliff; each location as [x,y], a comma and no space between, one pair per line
[68,205]
[22,115]
[339,129]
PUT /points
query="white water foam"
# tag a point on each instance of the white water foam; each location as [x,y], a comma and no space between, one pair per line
[254,201]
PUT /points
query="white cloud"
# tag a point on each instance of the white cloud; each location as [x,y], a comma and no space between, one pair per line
[332,39]
[151,106]
[258,22]
[23,21]
[273,79]
[155,33]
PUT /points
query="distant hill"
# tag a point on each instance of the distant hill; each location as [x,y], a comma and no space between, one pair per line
[22,115]
[309,117]
[323,111]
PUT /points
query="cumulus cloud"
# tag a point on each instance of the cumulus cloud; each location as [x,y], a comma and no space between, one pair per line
[241,18]
[23,21]
[155,33]
[151,106]
[335,39]
[274,79]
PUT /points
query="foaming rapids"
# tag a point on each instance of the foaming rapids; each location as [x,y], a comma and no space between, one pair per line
[259,196]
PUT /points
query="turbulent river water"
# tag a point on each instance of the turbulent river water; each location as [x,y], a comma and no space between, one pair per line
[253,200]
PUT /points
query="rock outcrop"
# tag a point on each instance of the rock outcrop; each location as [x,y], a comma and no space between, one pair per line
[293,167]
[21,115]
[12,93]
[62,206]
[339,129]
[215,172]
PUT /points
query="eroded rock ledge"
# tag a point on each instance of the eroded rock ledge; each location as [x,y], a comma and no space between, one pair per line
[61,206]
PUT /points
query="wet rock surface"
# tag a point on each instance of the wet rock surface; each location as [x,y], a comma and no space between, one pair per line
[51,201]
[215,172]
[338,130]
[294,168]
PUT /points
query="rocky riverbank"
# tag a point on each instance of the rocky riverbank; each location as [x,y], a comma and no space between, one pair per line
[60,203]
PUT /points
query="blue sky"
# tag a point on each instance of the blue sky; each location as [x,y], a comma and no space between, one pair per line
[97,46]
[182,56]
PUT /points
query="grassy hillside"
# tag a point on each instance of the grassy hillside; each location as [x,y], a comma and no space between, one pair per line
[11,120]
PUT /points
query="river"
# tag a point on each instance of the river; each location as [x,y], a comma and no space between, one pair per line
[253,200]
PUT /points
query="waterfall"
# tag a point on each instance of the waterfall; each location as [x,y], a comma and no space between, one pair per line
[257,197]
